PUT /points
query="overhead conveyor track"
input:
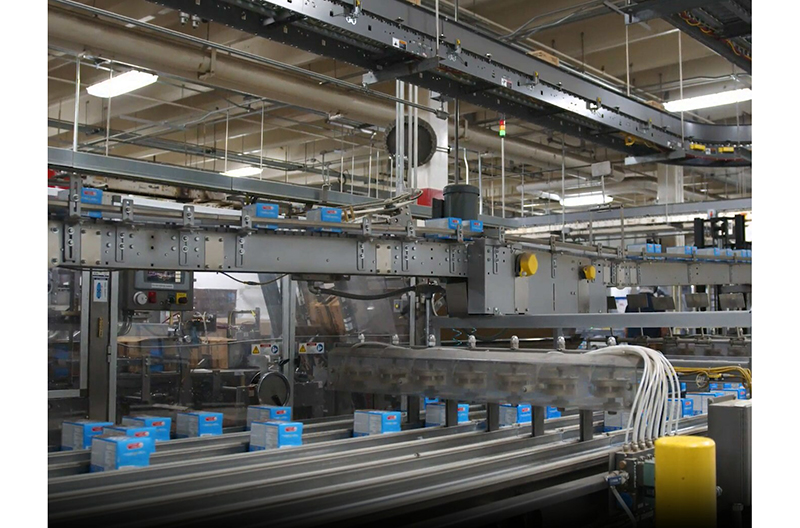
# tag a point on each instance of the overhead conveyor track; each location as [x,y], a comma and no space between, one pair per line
[395,36]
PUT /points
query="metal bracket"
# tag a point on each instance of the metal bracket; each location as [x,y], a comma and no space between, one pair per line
[188,216]
[72,245]
[451,252]
[75,192]
[361,255]
[119,255]
[126,208]
[400,70]
[240,250]
[366,226]
[406,256]
[411,230]
[212,67]
[495,260]
[460,232]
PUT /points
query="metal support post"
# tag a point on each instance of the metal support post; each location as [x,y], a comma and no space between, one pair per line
[537,420]
[412,315]
[586,421]
[413,408]
[492,416]
[287,333]
[451,413]
[99,383]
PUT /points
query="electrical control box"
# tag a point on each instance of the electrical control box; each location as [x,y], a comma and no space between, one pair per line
[157,290]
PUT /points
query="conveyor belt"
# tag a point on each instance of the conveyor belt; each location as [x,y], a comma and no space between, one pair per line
[343,479]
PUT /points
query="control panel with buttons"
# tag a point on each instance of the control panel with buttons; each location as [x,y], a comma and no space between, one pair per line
[157,290]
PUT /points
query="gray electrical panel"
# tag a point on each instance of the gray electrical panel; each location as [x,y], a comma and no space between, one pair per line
[157,290]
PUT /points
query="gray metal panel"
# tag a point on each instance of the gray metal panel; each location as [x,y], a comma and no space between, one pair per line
[490,278]
[730,425]
[172,248]
[603,320]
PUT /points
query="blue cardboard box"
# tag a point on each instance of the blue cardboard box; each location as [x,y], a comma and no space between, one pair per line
[700,400]
[274,435]
[647,248]
[682,251]
[266,210]
[119,452]
[369,422]
[268,413]
[326,214]
[79,434]
[615,420]
[471,227]
[429,401]
[200,423]
[443,223]
[162,425]
[552,412]
[515,414]
[435,414]
[145,434]
[686,407]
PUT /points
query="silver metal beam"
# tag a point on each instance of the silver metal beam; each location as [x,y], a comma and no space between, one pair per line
[603,320]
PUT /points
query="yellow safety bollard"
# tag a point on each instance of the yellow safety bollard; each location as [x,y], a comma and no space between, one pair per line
[686,482]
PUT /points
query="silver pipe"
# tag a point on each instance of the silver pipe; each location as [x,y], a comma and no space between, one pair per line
[480,185]
[108,112]
[503,175]
[77,102]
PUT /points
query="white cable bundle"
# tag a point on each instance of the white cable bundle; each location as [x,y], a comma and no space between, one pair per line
[652,415]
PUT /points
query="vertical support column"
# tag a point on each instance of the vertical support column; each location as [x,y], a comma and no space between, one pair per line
[451,413]
[492,416]
[670,191]
[432,176]
[537,420]
[413,408]
[113,326]
[287,332]
[586,421]
[98,346]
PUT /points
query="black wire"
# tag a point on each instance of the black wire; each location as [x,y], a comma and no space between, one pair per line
[363,297]
[253,283]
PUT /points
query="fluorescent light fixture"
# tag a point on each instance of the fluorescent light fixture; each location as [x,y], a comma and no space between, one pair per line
[549,196]
[709,101]
[582,200]
[122,84]
[242,172]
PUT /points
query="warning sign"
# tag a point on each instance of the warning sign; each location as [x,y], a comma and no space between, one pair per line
[266,349]
[311,348]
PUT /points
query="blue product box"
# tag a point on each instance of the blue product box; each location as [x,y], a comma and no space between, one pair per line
[430,400]
[145,434]
[369,422]
[443,223]
[647,248]
[162,425]
[266,210]
[743,253]
[435,414]
[119,452]
[682,251]
[686,406]
[79,434]
[471,227]
[268,413]
[326,214]
[615,420]
[274,435]
[700,400]
[92,196]
[200,423]
[515,414]
[552,412]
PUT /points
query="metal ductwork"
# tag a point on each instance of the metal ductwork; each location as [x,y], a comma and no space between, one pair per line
[113,42]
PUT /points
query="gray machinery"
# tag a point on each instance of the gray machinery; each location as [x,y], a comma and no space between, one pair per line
[491,280]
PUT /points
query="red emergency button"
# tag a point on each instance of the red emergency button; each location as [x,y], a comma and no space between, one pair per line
[151,297]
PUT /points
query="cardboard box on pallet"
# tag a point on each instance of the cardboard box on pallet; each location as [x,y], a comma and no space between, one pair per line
[511,414]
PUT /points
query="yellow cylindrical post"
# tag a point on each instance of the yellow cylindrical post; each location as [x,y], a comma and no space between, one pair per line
[686,482]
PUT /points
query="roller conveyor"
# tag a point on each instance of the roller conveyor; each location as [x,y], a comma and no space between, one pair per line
[360,477]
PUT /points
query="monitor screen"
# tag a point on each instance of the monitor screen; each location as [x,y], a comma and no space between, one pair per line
[162,277]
